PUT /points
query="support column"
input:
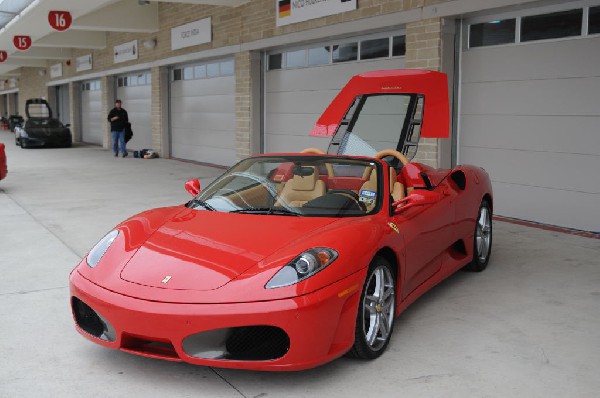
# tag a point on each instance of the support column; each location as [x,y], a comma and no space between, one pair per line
[160,111]
[247,104]
[75,110]
[424,51]
[108,102]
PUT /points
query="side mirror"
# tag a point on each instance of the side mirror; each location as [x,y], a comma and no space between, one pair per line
[68,125]
[416,198]
[193,187]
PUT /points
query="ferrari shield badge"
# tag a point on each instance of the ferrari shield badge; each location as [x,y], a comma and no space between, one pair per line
[394,227]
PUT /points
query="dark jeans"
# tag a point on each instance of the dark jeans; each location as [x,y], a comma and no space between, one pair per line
[119,139]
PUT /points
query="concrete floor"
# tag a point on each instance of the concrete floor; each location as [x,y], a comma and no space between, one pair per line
[529,326]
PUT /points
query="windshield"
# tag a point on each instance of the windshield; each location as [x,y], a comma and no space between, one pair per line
[311,186]
[47,123]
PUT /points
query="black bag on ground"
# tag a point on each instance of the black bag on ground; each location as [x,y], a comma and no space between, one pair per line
[128,132]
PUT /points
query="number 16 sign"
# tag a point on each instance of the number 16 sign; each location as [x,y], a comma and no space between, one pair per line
[60,20]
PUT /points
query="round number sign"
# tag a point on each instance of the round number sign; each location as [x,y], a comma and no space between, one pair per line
[60,20]
[22,42]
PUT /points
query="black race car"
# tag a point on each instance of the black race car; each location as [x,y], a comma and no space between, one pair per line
[40,129]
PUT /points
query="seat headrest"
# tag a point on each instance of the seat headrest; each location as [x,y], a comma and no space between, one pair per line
[303,181]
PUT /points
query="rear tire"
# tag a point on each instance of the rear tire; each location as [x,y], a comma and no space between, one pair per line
[376,311]
[482,240]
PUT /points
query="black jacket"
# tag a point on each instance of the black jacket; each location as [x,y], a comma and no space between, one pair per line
[120,123]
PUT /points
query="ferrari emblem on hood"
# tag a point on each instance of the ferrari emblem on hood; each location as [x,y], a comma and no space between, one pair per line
[167,279]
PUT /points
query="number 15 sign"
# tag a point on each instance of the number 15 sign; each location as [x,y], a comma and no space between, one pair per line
[60,20]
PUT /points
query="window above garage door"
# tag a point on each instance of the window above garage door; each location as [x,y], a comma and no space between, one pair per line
[347,50]
[565,21]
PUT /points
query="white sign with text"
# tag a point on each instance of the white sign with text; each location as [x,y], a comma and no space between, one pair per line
[56,70]
[191,34]
[83,63]
[126,52]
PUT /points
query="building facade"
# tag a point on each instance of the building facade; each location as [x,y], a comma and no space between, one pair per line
[214,84]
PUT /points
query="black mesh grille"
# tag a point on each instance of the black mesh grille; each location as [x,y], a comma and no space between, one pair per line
[257,343]
[87,318]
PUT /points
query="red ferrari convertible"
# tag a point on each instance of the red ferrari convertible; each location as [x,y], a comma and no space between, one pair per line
[288,261]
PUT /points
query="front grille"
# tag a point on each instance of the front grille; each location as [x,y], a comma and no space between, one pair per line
[247,343]
[91,322]
[158,348]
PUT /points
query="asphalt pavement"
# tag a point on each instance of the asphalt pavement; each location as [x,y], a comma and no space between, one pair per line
[528,326]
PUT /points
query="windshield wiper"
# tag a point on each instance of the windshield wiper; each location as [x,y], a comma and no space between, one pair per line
[199,202]
[267,210]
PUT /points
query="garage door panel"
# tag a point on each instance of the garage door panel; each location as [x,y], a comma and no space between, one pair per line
[549,206]
[213,86]
[204,122]
[332,77]
[137,101]
[91,117]
[534,133]
[295,143]
[203,104]
[204,154]
[292,123]
[305,102]
[576,96]
[540,169]
[208,138]
[532,61]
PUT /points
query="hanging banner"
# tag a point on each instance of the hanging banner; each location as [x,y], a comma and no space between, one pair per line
[22,42]
[83,63]
[126,52]
[60,20]
[3,55]
[292,11]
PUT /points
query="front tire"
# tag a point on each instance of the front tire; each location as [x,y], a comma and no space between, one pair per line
[23,144]
[482,241]
[376,311]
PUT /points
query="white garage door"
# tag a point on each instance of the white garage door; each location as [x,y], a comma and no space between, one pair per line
[91,112]
[203,113]
[301,82]
[530,113]
[135,92]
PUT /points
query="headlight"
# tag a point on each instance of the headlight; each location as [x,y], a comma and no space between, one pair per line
[304,266]
[94,256]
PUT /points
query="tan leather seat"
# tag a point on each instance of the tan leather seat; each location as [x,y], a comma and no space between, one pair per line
[298,190]
[397,188]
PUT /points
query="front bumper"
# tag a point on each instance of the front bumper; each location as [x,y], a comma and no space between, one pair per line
[319,327]
[47,141]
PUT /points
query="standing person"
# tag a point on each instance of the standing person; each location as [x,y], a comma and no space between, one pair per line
[118,119]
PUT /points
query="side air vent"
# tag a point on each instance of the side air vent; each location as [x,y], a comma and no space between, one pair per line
[459,179]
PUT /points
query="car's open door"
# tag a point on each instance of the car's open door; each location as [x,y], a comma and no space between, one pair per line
[386,109]
[38,108]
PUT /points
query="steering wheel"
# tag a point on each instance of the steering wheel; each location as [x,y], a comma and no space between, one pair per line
[391,152]
[383,153]
[317,151]
[349,194]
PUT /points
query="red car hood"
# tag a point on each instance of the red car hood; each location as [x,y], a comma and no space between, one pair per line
[203,250]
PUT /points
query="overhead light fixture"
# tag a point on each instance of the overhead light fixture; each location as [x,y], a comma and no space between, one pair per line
[149,43]
[143,2]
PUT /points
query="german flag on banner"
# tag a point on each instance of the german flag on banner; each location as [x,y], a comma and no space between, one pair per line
[285,8]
